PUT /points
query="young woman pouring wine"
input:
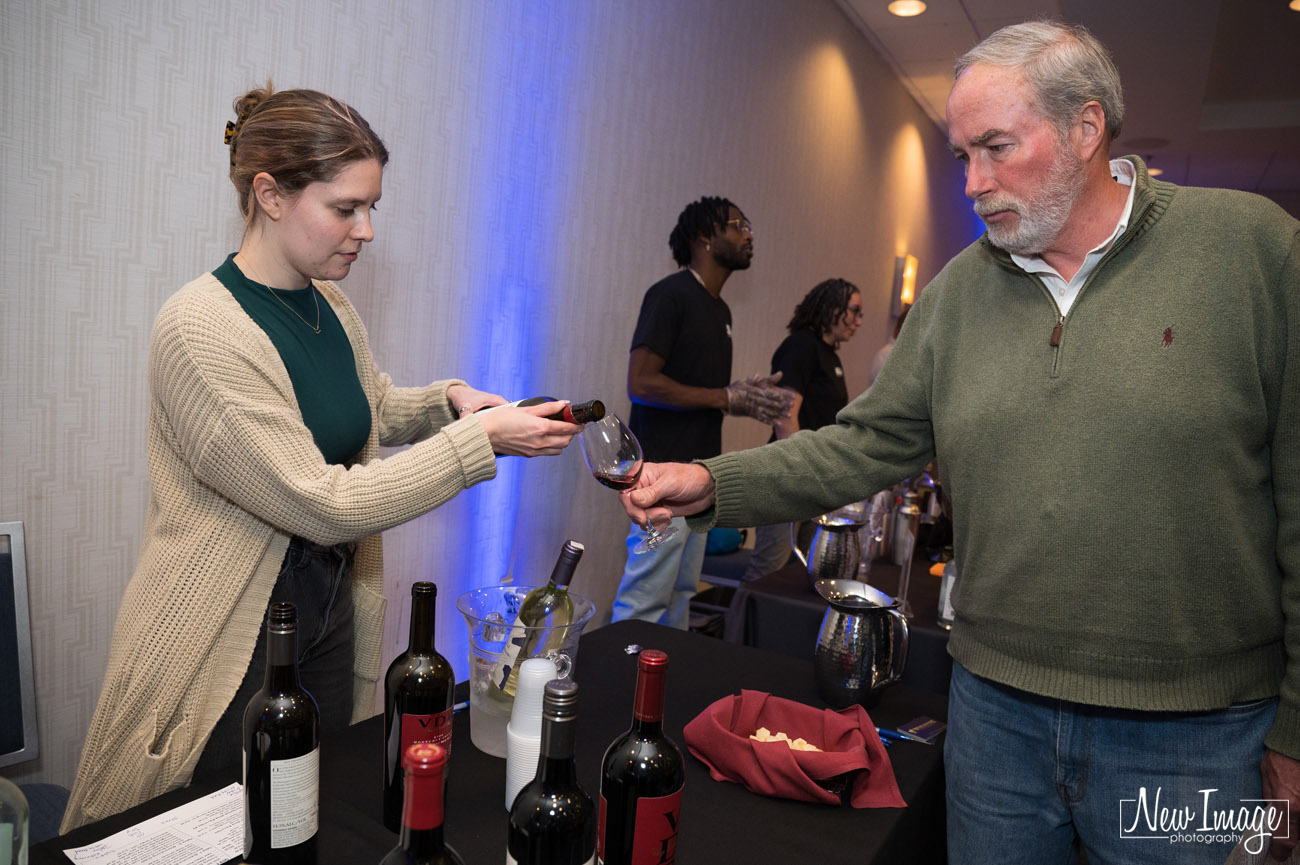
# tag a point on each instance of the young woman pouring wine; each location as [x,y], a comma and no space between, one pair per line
[267,414]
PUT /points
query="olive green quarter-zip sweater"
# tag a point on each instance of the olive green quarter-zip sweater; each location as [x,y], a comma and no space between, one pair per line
[1126,488]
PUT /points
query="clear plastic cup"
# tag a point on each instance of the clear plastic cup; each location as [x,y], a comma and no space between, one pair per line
[524,732]
[490,615]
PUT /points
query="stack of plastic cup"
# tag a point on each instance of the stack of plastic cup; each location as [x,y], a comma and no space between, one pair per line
[524,732]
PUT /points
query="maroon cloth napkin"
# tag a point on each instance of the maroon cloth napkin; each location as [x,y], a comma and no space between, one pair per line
[719,737]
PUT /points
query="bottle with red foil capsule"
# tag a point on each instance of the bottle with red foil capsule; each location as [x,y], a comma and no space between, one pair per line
[418,699]
[641,779]
[575,412]
[422,842]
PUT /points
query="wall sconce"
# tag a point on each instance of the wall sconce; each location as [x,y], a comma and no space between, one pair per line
[904,293]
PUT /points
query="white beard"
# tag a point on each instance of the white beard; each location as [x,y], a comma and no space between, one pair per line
[1042,215]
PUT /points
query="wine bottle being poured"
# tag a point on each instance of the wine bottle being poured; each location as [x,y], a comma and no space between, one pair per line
[574,412]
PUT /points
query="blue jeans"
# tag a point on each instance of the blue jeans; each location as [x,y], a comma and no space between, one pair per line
[1029,777]
[771,550]
[658,585]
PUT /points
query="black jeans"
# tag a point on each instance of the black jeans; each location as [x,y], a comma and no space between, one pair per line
[315,579]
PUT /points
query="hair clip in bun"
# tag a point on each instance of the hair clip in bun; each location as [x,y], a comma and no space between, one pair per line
[230,131]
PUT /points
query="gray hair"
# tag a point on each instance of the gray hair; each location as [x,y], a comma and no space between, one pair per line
[1065,65]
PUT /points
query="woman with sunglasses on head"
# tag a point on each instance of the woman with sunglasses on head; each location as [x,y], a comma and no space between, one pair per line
[266,418]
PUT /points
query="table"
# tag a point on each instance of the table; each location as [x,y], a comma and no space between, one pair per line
[701,670]
[781,612]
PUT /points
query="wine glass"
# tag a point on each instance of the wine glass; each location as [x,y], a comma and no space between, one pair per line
[614,457]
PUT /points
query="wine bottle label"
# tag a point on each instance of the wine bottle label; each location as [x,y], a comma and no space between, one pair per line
[654,833]
[434,728]
[510,656]
[295,799]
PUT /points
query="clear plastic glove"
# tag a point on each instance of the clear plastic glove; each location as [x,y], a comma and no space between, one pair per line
[759,398]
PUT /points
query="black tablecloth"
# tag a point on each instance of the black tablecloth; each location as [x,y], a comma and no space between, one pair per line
[720,823]
[782,613]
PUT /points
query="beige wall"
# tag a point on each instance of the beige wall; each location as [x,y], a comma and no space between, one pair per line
[542,150]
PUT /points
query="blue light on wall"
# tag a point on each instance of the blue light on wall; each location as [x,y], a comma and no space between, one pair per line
[515,216]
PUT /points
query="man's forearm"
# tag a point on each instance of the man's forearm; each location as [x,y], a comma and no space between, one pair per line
[662,391]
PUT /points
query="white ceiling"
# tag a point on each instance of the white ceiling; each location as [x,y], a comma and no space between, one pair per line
[1212,90]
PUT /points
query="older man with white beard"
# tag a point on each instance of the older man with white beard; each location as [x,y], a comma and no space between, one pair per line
[1110,380]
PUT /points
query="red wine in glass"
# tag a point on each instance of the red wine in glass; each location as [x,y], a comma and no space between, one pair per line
[614,458]
[618,482]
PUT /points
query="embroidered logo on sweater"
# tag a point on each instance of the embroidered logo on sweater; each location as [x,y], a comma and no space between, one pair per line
[1168,339]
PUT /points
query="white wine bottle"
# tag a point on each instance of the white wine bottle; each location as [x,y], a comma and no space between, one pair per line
[543,619]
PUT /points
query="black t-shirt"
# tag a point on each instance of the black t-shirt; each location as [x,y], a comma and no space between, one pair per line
[811,367]
[691,330]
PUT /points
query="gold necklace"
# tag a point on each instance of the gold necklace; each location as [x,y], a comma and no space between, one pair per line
[310,286]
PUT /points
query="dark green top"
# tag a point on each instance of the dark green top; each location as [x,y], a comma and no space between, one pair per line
[321,366]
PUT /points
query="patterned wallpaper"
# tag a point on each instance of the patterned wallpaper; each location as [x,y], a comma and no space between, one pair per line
[542,150]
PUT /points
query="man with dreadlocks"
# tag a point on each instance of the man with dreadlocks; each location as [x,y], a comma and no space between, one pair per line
[677,379]
[810,368]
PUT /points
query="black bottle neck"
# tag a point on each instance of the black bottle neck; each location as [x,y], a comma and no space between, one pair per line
[423,607]
[282,658]
[566,564]
[422,844]
[555,756]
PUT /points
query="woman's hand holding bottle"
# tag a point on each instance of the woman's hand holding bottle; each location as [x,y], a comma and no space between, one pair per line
[525,431]
[467,400]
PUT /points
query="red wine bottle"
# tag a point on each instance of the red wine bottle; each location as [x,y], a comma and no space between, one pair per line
[553,820]
[641,779]
[422,842]
[577,412]
[418,698]
[281,755]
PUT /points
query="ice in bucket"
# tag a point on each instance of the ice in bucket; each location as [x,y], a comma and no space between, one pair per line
[490,614]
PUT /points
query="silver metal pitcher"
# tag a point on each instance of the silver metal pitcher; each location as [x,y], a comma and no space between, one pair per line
[836,547]
[862,646]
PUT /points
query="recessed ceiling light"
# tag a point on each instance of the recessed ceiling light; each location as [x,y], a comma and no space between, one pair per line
[908,8]
[1295,5]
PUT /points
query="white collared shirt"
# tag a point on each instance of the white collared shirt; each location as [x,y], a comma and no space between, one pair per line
[1067,291]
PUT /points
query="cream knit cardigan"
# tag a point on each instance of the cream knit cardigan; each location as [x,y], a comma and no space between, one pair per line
[234,474]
